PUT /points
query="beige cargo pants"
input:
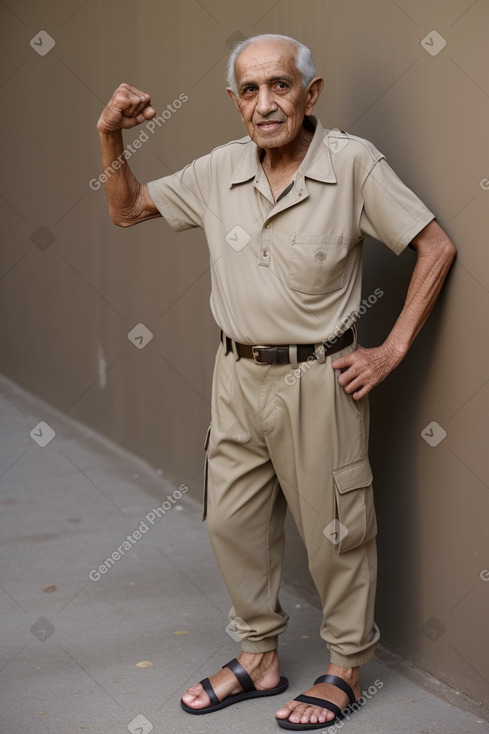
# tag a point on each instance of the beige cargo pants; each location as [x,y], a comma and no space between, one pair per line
[292,437]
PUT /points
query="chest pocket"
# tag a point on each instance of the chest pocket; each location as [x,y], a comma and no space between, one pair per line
[317,262]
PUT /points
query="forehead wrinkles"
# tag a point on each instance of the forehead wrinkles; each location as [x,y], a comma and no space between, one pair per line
[252,63]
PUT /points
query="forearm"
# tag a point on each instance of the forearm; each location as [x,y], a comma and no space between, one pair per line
[127,198]
[363,369]
[434,260]
[129,201]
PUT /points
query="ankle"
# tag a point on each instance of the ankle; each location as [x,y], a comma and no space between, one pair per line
[256,659]
[253,660]
[347,674]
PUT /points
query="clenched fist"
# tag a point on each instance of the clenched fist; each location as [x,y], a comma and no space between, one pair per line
[127,108]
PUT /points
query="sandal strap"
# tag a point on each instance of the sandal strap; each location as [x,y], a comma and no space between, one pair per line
[207,686]
[244,679]
[313,701]
[339,683]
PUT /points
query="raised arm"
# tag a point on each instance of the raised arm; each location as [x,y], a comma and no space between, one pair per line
[363,369]
[128,199]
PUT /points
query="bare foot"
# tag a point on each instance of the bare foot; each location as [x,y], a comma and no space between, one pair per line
[304,713]
[261,667]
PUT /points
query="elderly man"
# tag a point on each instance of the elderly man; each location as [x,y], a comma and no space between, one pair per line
[285,211]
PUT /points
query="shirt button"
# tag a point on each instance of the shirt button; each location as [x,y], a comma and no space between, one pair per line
[268,225]
[320,255]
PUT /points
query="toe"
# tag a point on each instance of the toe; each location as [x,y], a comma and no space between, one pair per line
[308,716]
[286,710]
[196,697]
[298,715]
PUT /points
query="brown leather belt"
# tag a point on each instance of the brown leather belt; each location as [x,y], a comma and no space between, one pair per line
[280,354]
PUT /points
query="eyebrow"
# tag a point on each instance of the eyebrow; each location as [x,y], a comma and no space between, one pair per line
[275,78]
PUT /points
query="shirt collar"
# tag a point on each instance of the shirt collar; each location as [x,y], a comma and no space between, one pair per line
[317,163]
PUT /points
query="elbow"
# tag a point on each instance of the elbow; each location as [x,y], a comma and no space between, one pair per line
[120,219]
[450,251]
[122,222]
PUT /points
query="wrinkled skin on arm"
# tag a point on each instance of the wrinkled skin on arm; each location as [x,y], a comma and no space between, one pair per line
[128,199]
[363,369]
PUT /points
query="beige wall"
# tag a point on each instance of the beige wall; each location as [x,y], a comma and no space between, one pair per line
[68,305]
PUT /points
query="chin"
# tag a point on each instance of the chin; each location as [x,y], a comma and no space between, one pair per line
[269,141]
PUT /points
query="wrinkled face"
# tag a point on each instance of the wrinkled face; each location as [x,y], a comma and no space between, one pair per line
[271,99]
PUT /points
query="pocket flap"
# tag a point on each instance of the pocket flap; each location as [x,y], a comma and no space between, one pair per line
[356,475]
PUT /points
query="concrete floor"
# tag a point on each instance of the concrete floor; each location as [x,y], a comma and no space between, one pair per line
[113,653]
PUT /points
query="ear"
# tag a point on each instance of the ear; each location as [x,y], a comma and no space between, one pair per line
[233,97]
[313,90]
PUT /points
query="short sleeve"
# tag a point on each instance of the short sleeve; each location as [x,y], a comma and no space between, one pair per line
[181,197]
[392,213]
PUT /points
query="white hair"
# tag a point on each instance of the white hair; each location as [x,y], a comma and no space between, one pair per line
[303,59]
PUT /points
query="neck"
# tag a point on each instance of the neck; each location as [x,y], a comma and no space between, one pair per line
[288,155]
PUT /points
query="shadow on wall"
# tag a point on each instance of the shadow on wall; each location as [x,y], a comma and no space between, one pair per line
[394,445]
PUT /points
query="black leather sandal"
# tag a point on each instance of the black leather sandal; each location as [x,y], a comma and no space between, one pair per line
[324,704]
[249,691]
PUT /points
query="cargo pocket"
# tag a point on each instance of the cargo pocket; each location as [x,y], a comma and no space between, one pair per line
[206,471]
[354,505]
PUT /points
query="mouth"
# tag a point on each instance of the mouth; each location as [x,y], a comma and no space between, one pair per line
[269,125]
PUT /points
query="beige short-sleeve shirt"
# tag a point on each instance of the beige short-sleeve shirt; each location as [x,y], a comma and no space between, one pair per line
[289,272]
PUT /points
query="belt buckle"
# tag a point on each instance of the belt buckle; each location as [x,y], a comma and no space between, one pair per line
[256,354]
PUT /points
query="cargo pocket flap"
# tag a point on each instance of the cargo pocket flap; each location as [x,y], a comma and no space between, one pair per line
[353,476]
[354,505]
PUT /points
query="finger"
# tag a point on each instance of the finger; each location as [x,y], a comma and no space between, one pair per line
[359,394]
[136,116]
[149,112]
[145,115]
[133,107]
[355,382]
[341,362]
[133,93]
[348,360]
[349,373]
[130,101]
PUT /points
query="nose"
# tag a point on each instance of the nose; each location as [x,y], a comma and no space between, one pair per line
[265,102]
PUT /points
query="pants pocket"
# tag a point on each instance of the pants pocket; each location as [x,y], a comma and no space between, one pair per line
[206,471]
[356,523]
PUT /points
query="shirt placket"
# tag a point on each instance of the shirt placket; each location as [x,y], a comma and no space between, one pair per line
[265,252]
[298,193]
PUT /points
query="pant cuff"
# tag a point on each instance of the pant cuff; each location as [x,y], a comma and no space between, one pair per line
[352,661]
[269,644]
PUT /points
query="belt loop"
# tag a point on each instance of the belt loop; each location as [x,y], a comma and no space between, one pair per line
[293,356]
[355,336]
[235,350]
[320,352]
[226,342]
